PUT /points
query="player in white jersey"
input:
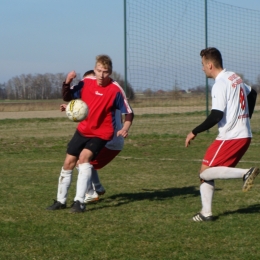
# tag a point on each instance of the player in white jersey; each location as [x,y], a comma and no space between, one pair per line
[233,104]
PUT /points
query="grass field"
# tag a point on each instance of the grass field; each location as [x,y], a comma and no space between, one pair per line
[152,193]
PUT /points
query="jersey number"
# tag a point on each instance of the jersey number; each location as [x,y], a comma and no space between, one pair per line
[242,99]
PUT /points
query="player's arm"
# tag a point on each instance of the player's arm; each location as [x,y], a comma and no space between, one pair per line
[121,104]
[71,92]
[251,99]
[127,124]
[66,92]
[214,117]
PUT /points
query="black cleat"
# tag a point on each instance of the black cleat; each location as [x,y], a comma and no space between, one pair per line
[57,205]
[78,207]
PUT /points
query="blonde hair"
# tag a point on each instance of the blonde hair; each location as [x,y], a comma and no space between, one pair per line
[106,61]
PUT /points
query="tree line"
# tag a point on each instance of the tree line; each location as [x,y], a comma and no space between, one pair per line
[48,86]
[45,86]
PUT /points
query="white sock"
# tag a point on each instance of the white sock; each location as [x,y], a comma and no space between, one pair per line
[222,172]
[84,181]
[63,185]
[90,189]
[206,192]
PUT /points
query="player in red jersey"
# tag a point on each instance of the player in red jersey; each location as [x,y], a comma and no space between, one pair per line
[103,97]
[106,155]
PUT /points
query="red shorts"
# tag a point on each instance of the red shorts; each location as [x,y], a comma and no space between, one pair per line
[226,152]
[104,157]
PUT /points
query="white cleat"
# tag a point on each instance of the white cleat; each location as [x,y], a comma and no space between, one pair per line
[91,198]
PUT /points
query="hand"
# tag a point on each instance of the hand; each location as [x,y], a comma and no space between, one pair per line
[189,137]
[63,107]
[71,75]
[123,133]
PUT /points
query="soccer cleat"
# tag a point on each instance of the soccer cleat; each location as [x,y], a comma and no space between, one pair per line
[249,178]
[199,217]
[57,205]
[77,207]
[91,198]
[100,191]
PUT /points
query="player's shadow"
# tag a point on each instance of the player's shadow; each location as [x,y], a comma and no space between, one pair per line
[147,194]
[248,210]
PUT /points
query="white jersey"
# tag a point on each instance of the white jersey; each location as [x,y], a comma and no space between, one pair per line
[117,143]
[229,95]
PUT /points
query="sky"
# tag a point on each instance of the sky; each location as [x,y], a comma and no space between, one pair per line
[57,36]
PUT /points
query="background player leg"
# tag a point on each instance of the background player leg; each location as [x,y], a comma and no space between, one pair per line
[91,194]
[96,183]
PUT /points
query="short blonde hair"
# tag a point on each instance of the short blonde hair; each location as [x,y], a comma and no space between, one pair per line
[106,61]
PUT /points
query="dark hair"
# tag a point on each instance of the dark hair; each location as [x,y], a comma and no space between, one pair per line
[89,72]
[213,55]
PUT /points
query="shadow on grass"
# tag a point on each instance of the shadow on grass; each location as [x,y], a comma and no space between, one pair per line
[248,210]
[148,194]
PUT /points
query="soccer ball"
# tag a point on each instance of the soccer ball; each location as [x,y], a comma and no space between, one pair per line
[77,110]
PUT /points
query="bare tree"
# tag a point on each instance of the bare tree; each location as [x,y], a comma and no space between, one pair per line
[47,86]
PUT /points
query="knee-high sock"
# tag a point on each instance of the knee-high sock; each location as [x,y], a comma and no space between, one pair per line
[206,192]
[63,185]
[90,189]
[84,181]
[95,179]
[222,172]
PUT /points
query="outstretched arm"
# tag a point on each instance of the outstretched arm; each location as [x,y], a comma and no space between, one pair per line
[214,117]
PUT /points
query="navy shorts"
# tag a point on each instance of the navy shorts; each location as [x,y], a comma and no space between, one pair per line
[80,142]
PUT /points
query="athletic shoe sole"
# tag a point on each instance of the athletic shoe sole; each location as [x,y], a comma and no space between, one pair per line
[200,218]
[92,200]
[249,178]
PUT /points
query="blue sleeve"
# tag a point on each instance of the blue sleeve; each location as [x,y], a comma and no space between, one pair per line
[120,104]
[76,90]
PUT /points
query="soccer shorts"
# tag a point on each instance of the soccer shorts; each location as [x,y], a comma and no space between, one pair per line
[80,142]
[226,152]
[104,157]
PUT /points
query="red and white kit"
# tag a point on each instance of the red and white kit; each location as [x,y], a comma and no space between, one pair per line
[229,95]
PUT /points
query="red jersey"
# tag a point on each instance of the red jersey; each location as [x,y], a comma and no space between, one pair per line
[102,103]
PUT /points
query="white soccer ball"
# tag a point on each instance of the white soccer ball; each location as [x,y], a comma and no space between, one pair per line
[77,110]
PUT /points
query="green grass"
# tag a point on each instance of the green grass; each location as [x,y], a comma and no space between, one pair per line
[152,193]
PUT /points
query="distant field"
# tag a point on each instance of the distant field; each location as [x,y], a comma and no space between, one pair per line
[164,101]
[187,100]
[173,115]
